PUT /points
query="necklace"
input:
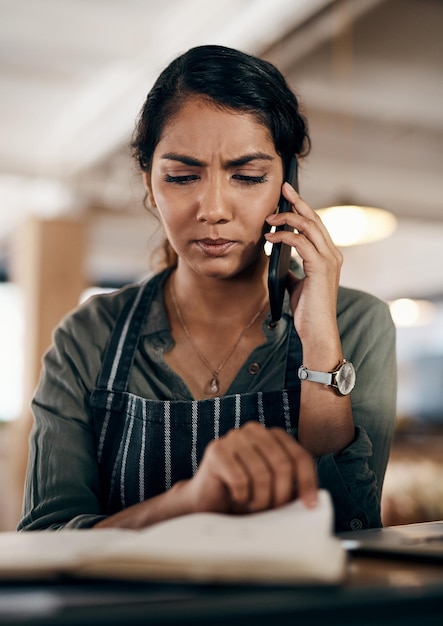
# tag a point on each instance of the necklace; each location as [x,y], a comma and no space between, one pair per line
[214,384]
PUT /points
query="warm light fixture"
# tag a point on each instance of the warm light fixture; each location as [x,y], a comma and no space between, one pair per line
[350,225]
[407,312]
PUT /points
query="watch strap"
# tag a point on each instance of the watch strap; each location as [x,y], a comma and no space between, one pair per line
[325,378]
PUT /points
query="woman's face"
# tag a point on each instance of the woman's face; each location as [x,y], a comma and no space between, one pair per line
[215,177]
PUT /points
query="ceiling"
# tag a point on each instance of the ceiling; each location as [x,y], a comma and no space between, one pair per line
[74,73]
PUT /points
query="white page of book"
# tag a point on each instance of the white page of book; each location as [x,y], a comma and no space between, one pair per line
[286,544]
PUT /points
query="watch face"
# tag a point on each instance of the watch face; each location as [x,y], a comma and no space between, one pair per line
[346,378]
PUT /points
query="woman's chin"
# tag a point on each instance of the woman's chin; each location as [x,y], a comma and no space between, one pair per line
[222,268]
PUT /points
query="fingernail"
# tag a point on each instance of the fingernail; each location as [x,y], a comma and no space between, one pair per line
[311,500]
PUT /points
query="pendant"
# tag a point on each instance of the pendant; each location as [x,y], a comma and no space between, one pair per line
[214,385]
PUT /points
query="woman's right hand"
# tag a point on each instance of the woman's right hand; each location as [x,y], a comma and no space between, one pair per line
[251,469]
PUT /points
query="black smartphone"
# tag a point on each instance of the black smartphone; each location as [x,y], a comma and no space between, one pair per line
[281,253]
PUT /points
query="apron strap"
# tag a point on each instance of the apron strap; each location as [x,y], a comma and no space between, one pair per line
[294,358]
[120,351]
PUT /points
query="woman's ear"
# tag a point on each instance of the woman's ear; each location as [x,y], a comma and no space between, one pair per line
[147,184]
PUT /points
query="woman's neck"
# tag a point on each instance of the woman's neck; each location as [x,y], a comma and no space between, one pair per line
[234,298]
[215,324]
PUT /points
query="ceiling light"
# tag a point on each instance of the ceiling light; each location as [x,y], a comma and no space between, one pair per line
[350,225]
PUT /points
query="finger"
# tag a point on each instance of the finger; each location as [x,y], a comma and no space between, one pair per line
[224,466]
[300,206]
[266,463]
[317,256]
[304,471]
[277,460]
[241,464]
[313,230]
[302,209]
[251,454]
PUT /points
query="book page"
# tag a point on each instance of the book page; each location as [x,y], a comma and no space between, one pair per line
[47,554]
[289,544]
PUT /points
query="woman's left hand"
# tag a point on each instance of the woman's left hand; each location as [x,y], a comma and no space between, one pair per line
[325,422]
[313,298]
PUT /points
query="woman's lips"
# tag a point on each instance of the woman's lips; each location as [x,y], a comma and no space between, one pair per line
[215,247]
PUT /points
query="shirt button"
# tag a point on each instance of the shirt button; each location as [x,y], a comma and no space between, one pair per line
[355,524]
[254,368]
[272,325]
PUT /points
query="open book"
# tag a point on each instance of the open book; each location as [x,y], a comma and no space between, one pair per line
[291,544]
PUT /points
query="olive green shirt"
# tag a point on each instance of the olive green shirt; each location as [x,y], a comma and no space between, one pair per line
[63,485]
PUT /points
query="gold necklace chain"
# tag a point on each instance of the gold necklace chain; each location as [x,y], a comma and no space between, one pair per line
[214,383]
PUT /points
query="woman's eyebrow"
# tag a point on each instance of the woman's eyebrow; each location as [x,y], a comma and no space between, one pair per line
[182,158]
[237,162]
[248,158]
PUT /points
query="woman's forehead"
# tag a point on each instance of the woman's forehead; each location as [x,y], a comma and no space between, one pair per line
[200,121]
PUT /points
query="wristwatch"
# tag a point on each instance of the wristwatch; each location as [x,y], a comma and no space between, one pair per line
[341,379]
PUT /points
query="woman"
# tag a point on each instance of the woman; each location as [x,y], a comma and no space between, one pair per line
[178,395]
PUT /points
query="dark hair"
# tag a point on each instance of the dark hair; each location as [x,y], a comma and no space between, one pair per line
[230,79]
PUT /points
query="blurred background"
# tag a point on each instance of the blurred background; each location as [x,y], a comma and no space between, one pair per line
[73,76]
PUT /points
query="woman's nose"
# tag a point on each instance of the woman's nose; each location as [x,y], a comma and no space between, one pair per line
[214,204]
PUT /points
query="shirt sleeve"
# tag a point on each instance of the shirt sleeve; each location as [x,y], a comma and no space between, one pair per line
[352,485]
[354,477]
[368,340]
[62,488]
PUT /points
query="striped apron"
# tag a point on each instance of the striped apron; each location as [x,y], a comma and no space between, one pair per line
[144,446]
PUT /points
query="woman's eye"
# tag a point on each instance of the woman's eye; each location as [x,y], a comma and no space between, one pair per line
[181,180]
[250,180]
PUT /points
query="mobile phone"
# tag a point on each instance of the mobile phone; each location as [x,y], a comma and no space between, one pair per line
[281,253]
